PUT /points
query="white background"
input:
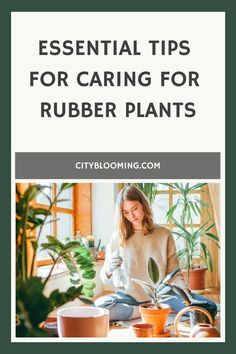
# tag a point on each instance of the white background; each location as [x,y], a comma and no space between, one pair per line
[204,31]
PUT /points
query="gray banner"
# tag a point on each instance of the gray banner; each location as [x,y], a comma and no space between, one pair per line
[120,165]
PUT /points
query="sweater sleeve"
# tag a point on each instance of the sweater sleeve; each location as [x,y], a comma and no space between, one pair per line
[173,263]
[110,248]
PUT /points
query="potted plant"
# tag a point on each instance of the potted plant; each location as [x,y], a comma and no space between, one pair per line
[89,242]
[194,238]
[155,312]
[101,253]
[32,306]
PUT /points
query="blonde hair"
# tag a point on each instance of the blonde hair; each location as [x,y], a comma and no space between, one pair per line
[124,227]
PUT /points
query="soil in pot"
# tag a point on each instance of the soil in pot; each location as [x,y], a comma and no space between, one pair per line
[196,278]
[155,316]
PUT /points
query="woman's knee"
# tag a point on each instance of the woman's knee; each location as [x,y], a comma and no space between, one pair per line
[107,301]
[118,311]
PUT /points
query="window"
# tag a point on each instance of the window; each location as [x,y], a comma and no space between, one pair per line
[73,212]
[62,212]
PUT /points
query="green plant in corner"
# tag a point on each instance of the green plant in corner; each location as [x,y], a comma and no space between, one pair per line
[32,306]
[194,239]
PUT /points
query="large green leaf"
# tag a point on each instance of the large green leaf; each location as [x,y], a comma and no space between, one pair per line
[213,236]
[153,270]
[75,281]
[32,306]
[89,275]
[85,300]
[52,247]
[58,298]
[65,186]
[41,211]
[181,227]
[89,285]
[32,192]
[197,186]
[87,292]
[162,289]
[171,211]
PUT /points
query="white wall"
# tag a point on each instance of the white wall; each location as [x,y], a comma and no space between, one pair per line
[103,202]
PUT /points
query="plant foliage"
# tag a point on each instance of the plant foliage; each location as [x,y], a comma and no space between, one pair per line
[194,240]
[157,290]
[32,306]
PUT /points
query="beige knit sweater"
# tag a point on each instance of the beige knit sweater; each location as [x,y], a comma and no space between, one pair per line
[159,245]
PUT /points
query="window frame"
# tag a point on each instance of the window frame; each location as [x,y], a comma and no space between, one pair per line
[81,211]
[171,192]
[56,209]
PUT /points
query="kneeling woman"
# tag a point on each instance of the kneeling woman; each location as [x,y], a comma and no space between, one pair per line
[136,238]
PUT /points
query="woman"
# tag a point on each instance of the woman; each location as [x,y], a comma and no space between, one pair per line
[135,240]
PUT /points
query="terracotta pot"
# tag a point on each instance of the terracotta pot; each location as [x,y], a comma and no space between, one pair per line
[196,278]
[83,322]
[143,329]
[204,330]
[154,316]
[101,255]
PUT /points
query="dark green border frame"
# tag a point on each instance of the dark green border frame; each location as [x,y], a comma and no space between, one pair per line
[6,6]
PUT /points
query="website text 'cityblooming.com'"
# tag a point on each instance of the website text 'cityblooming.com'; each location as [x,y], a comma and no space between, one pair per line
[114,165]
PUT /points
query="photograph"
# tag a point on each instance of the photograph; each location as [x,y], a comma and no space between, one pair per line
[121,262]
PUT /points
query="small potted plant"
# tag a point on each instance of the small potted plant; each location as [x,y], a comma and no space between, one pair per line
[155,312]
[89,242]
[101,253]
[90,239]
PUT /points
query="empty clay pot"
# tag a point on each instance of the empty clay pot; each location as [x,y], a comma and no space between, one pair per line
[204,330]
[143,329]
[83,322]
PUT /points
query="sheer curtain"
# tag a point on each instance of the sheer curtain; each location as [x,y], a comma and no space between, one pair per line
[214,189]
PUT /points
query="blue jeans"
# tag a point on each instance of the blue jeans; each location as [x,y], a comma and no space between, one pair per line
[121,305]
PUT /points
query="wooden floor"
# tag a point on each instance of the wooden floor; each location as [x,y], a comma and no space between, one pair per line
[212,294]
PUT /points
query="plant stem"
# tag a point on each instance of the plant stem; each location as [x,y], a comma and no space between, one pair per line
[24,256]
[51,270]
[40,230]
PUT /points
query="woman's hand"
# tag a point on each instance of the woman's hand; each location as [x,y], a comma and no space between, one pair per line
[114,263]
